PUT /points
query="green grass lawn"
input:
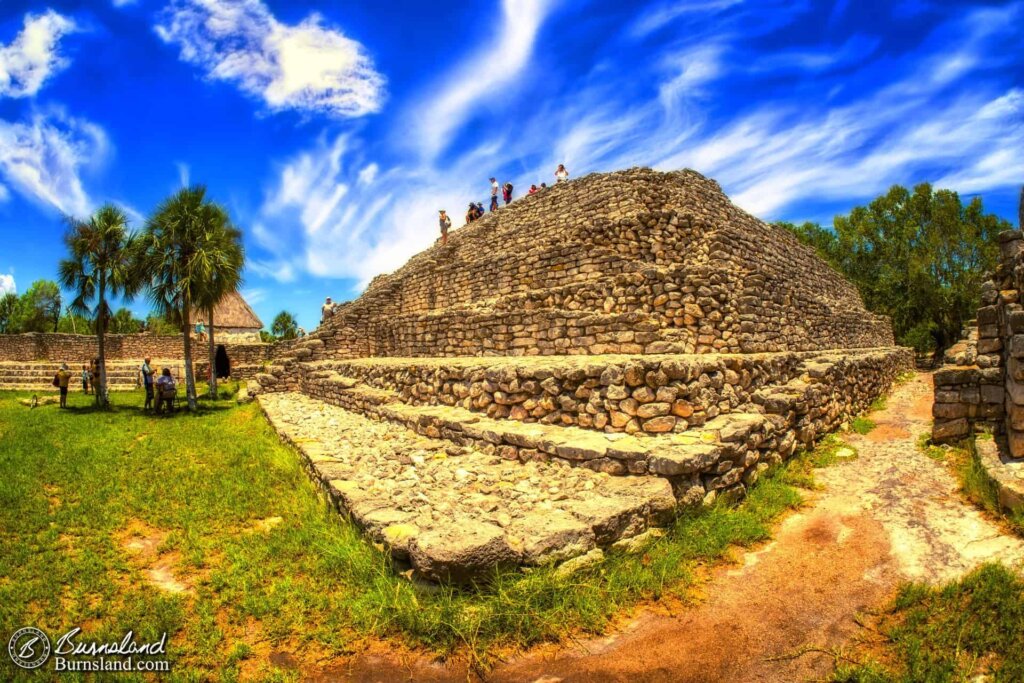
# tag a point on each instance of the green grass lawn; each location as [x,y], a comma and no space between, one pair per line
[967,630]
[198,494]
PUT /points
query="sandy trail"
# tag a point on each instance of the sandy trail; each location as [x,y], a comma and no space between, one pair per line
[890,515]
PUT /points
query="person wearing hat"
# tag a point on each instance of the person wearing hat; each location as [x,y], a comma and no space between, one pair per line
[446,223]
[62,379]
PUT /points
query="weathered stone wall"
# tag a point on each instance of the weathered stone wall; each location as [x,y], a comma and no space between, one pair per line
[79,348]
[32,349]
[629,262]
[982,385]
[614,394]
[742,411]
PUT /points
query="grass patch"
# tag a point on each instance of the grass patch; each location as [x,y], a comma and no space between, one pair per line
[971,629]
[975,483]
[76,484]
[933,451]
[862,425]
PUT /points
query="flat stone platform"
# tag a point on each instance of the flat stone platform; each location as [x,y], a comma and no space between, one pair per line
[452,511]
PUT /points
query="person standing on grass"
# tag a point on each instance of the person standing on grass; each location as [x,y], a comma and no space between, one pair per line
[147,380]
[85,380]
[446,223]
[506,193]
[494,194]
[561,175]
[63,378]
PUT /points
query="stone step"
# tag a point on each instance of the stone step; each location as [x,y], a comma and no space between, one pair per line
[455,512]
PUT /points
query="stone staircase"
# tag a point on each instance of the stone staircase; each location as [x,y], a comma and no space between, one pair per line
[640,434]
[38,376]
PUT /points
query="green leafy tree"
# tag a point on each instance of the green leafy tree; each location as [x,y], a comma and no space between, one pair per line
[124,322]
[181,254]
[8,310]
[99,266]
[71,323]
[38,309]
[159,325]
[917,256]
[284,326]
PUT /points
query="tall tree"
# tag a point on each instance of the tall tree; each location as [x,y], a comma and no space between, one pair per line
[8,309]
[123,322]
[38,309]
[284,326]
[226,246]
[99,266]
[182,254]
[919,257]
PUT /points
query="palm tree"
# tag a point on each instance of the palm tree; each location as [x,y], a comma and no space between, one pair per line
[99,266]
[185,255]
[226,241]
[284,326]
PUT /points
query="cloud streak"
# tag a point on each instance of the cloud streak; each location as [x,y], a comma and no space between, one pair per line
[43,159]
[33,56]
[308,67]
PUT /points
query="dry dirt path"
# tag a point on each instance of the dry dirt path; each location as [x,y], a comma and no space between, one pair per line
[890,515]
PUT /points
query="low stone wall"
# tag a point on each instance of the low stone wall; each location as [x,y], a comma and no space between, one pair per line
[34,348]
[652,394]
[80,348]
[982,384]
[806,397]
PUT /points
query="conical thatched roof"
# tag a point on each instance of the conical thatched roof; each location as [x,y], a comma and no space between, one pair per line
[231,311]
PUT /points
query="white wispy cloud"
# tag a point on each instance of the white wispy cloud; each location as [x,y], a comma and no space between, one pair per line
[44,157]
[33,56]
[183,173]
[497,63]
[324,214]
[308,67]
[7,284]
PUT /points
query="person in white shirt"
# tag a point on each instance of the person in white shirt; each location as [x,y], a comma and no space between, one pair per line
[561,174]
[494,194]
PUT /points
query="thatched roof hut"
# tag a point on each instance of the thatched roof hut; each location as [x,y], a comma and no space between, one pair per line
[233,316]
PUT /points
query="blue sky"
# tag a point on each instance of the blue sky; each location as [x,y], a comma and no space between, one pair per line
[334,131]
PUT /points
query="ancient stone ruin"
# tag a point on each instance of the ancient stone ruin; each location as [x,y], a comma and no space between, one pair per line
[981,387]
[567,371]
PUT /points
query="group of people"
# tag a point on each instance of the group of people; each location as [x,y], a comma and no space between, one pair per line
[62,379]
[164,389]
[476,211]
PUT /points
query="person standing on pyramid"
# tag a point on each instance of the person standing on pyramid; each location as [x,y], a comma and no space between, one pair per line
[561,174]
[446,223]
[494,194]
[506,193]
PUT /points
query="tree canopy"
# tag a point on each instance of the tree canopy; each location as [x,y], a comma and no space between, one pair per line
[917,256]
[37,310]
[284,326]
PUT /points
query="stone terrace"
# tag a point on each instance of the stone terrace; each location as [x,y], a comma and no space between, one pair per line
[595,348]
